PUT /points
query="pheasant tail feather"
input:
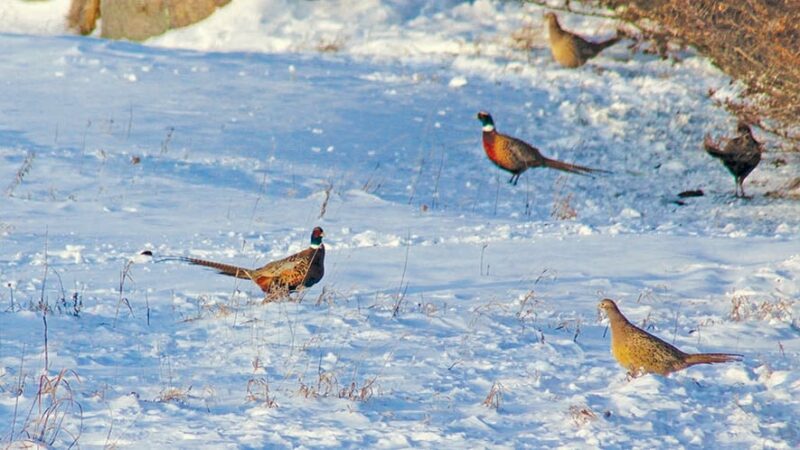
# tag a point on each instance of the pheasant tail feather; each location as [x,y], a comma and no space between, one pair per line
[598,47]
[711,358]
[572,168]
[711,147]
[225,269]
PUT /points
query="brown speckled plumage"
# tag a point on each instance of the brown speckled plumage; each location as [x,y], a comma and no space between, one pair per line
[569,49]
[300,270]
[640,352]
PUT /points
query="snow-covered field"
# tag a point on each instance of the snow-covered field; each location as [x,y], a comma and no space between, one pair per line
[457,311]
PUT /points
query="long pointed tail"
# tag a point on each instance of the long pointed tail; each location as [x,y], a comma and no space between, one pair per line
[711,147]
[225,269]
[598,47]
[711,358]
[572,168]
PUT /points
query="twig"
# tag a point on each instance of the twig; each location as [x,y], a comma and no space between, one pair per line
[125,274]
[483,250]
[43,304]
[401,291]
[18,393]
[435,194]
[130,121]
[23,170]
[324,208]
[46,357]
[167,140]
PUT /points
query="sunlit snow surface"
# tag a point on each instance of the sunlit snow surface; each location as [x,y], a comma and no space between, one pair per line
[456,311]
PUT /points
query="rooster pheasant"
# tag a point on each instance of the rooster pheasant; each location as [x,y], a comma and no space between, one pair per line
[516,156]
[640,352]
[741,154]
[569,49]
[295,272]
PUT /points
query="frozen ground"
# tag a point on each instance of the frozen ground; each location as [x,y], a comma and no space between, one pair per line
[457,311]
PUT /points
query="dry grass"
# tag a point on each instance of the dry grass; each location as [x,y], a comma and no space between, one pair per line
[55,417]
[572,326]
[258,391]
[324,207]
[581,415]
[173,394]
[743,309]
[282,294]
[790,190]
[494,397]
[527,37]
[23,170]
[331,45]
[754,41]
[327,384]
[327,297]
[361,393]
[562,208]
[529,304]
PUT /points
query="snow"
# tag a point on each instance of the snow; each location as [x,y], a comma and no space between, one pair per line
[456,311]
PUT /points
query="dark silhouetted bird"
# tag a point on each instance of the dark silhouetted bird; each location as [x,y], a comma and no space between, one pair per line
[516,156]
[741,154]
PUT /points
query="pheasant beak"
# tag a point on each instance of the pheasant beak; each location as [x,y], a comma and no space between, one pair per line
[601,311]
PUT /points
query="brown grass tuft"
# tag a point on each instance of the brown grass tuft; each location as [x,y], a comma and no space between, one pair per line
[258,392]
[173,394]
[494,397]
[332,45]
[581,415]
[563,209]
[743,308]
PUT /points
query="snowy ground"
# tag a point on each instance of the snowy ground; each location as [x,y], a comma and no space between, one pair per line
[457,311]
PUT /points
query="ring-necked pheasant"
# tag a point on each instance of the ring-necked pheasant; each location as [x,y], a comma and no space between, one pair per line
[295,272]
[569,49]
[640,352]
[516,156]
[741,154]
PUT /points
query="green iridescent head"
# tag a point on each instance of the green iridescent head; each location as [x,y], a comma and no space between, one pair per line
[316,237]
[486,121]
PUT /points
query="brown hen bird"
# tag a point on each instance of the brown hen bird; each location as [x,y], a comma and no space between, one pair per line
[569,49]
[640,352]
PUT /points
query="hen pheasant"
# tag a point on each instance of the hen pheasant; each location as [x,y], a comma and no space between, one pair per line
[569,49]
[741,154]
[640,352]
[295,272]
[516,156]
